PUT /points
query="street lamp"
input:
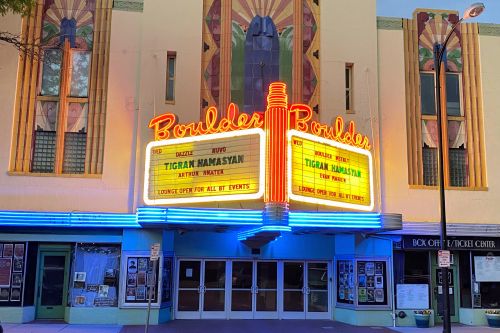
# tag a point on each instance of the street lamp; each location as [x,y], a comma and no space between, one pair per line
[439,49]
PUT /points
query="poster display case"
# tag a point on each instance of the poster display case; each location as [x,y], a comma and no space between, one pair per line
[363,283]
[12,273]
[139,280]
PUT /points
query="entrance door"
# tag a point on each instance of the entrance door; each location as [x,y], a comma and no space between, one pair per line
[254,290]
[437,282]
[201,289]
[52,284]
[305,290]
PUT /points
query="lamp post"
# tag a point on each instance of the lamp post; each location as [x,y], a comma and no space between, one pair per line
[439,50]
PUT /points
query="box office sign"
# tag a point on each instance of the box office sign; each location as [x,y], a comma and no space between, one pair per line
[214,167]
[454,243]
[327,172]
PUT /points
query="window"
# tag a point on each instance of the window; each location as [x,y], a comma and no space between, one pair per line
[455,160]
[60,108]
[348,88]
[170,91]
[462,109]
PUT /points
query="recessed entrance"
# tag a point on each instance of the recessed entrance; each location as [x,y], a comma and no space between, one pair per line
[253,289]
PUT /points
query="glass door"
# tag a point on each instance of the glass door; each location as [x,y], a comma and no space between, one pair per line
[52,285]
[317,291]
[189,289]
[266,290]
[293,290]
[242,290]
[213,290]
[437,282]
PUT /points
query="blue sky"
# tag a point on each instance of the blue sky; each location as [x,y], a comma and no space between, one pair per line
[404,8]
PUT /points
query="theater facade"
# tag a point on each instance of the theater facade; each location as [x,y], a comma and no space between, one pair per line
[251,162]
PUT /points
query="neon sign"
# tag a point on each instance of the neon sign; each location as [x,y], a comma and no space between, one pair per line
[295,158]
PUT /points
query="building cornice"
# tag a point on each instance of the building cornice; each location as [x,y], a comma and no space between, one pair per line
[389,23]
[489,29]
[129,6]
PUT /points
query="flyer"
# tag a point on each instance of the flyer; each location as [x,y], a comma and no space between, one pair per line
[379,281]
[4,294]
[379,268]
[17,279]
[361,268]
[18,265]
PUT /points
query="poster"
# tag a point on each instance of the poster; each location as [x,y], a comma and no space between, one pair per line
[362,280]
[131,279]
[8,250]
[379,268]
[370,281]
[103,291]
[80,300]
[362,295]
[132,265]
[19,251]
[17,279]
[18,265]
[141,278]
[370,268]
[4,294]
[5,271]
[379,281]
[130,296]
[361,268]
[370,294]
[142,264]
[141,293]
[379,295]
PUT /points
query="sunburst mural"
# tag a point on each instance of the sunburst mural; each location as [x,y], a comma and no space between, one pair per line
[72,19]
[280,11]
[432,29]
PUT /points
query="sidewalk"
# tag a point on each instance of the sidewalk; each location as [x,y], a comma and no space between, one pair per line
[232,326]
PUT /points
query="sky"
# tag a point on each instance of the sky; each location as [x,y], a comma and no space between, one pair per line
[405,8]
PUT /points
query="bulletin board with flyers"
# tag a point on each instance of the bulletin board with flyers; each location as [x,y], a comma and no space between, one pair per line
[12,273]
[139,279]
[363,283]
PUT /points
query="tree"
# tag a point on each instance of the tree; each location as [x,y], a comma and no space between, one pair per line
[20,7]
[16,6]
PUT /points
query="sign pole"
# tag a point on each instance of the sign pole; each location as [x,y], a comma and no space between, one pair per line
[155,250]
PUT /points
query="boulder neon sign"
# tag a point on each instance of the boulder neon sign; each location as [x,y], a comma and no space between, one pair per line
[278,121]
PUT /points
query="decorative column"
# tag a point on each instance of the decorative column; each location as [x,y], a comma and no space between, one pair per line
[277,122]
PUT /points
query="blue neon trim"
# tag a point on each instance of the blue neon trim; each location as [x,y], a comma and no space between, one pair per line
[267,228]
[69,219]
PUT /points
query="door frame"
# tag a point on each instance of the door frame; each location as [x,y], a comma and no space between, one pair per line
[306,314]
[52,249]
[456,287]
[200,314]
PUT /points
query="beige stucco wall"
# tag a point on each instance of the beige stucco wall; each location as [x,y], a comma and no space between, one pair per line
[422,205]
[109,193]
[348,40]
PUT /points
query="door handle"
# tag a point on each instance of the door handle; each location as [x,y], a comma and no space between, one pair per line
[199,289]
[256,289]
[308,291]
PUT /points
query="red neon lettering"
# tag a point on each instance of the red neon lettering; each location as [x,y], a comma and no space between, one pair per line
[165,123]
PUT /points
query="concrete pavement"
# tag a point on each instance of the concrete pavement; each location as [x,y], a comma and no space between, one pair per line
[232,326]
